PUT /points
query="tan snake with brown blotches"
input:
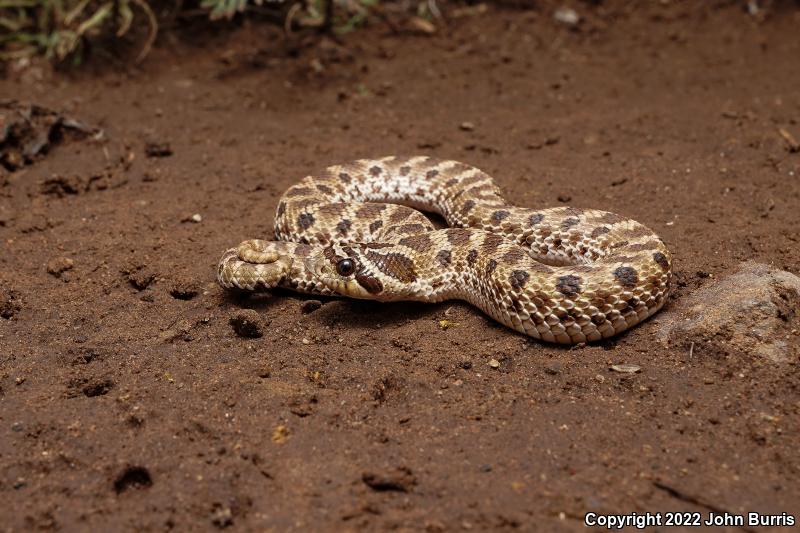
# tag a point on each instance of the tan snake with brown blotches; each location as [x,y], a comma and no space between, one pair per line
[562,274]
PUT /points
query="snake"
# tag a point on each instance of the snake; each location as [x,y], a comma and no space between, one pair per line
[562,274]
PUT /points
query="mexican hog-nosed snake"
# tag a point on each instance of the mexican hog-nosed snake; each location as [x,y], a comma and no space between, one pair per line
[562,274]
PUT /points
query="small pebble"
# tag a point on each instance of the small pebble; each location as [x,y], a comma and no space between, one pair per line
[16,427]
[626,368]
[309,306]
[306,341]
[494,363]
[247,323]
[59,265]
[197,217]
[566,15]
[222,517]
[467,126]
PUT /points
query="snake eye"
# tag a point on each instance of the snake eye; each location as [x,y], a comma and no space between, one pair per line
[345,267]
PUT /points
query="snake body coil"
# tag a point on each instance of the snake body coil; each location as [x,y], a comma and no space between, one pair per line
[562,274]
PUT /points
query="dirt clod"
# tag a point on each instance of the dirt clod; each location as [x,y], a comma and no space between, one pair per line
[184,289]
[157,149]
[59,265]
[399,479]
[140,276]
[247,323]
[10,303]
[310,306]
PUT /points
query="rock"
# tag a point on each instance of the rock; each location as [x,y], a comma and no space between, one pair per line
[567,16]
[59,265]
[626,368]
[494,363]
[309,306]
[466,126]
[247,323]
[755,311]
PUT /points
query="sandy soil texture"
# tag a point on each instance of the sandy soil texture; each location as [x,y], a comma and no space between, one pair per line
[126,396]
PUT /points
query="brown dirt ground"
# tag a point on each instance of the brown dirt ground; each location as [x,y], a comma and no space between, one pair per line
[140,408]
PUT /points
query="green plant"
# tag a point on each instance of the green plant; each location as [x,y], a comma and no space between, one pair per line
[59,28]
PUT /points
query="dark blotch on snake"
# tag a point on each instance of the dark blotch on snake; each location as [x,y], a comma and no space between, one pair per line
[468,205]
[518,279]
[400,214]
[371,285]
[514,255]
[649,245]
[535,219]
[472,256]
[375,171]
[626,276]
[369,210]
[491,242]
[568,223]
[420,243]
[444,257]
[458,236]
[375,226]
[490,266]
[305,220]
[344,226]
[395,265]
[600,230]
[662,260]
[500,215]
[610,218]
[345,177]
[431,174]
[569,285]
[410,229]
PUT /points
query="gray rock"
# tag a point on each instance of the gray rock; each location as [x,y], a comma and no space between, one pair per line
[755,311]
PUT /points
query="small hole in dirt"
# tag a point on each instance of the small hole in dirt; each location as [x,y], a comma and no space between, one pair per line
[134,477]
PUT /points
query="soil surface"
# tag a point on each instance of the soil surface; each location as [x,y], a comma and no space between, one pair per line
[128,398]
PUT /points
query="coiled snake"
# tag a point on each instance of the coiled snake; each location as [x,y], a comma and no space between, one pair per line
[562,274]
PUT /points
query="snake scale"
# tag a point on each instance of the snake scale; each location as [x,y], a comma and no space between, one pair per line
[563,274]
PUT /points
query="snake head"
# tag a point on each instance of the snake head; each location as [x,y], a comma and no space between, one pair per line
[355,270]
